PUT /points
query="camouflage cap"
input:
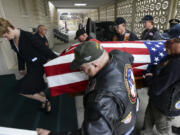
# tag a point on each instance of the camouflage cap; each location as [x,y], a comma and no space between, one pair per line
[86,52]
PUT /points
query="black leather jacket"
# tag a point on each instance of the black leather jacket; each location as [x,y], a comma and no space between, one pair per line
[110,105]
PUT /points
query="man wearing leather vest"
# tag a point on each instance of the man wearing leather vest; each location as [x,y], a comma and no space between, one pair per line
[110,100]
[164,91]
[150,32]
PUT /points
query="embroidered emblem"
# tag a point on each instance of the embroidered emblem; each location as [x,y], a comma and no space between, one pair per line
[127,119]
[97,46]
[150,34]
[87,58]
[46,43]
[126,37]
[177,105]
[130,83]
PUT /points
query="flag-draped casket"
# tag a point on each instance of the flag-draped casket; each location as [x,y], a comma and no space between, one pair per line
[62,80]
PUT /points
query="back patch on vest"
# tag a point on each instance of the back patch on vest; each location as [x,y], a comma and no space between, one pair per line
[130,83]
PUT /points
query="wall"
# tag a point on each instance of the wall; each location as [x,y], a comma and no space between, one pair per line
[25,14]
[160,10]
[110,12]
[178,10]
[93,14]
[134,10]
[125,9]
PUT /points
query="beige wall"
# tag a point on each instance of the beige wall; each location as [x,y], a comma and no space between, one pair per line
[25,14]
[178,10]
[110,12]
[134,10]
[93,14]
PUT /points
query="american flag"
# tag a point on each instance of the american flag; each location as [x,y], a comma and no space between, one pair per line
[62,80]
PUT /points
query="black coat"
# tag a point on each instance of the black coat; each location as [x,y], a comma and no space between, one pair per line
[31,52]
[131,37]
[164,86]
[152,34]
[41,39]
[110,108]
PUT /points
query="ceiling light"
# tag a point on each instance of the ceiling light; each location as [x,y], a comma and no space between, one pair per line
[80,4]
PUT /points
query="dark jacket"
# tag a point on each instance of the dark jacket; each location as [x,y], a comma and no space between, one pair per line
[41,39]
[152,34]
[31,52]
[110,105]
[128,36]
[164,86]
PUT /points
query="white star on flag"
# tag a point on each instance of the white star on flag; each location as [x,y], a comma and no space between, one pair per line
[161,54]
[155,63]
[156,59]
[164,49]
[160,43]
[154,49]
[157,46]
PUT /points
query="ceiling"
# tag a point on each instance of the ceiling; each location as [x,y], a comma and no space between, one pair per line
[69,4]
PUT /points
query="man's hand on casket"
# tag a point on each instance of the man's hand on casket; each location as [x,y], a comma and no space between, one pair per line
[148,75]
[148,78]
[42,131]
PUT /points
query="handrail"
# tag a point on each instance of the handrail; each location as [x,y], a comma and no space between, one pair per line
[61,36]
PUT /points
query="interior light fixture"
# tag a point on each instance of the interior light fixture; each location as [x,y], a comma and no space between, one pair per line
[80,4]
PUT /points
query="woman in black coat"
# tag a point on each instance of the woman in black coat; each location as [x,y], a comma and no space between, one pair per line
[31,54]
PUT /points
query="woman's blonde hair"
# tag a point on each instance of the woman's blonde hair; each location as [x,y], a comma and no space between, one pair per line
[4,24]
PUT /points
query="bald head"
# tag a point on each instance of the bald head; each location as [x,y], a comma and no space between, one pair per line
[41,30]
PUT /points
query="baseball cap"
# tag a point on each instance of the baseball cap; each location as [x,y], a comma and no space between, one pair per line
[147,18]
[120,20]
[86,52]
[79,33]
[173,22]
[173,32]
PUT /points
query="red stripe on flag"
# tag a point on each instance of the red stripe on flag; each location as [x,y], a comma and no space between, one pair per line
[139,64]
[58,69]
[69,88]
[64,68]
[139,51]
[138,72]
[119,42]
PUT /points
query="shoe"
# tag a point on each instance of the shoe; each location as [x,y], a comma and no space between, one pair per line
[176,130]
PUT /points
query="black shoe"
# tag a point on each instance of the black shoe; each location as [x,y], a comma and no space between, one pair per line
[176,130]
